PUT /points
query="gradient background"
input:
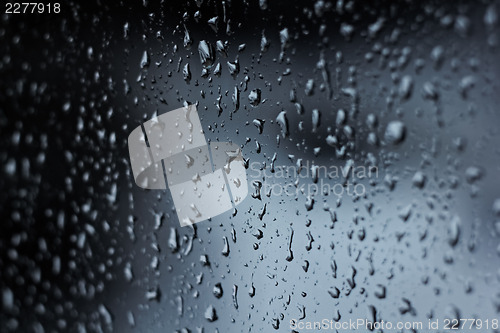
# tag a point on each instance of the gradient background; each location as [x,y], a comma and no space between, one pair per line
[74,222]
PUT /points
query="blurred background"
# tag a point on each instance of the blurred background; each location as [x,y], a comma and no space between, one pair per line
[405,90]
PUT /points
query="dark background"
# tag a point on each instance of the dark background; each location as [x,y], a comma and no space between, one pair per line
[74,223]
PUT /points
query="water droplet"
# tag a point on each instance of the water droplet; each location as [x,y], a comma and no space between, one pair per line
[395,132]
[173,242]
[418,179]
[405,87]
[235,296]
[282,121]
[217,291]
[233,67]
[207,56]
[454,231]
[145,60]
[254,97]
[129,275]
[225,250]
[186,73]
[187,39]
[211,314]
[316,118]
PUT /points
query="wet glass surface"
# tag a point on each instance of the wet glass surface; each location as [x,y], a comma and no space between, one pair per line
[370,136]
